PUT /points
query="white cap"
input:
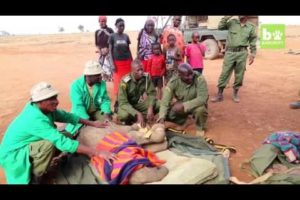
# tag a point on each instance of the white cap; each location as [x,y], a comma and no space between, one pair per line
[42,91]
[92,68]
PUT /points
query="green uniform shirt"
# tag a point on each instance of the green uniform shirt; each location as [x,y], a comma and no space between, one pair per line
[192,96]
[131,92]
[239,36]
[81,100]
[92,107]
[29,126]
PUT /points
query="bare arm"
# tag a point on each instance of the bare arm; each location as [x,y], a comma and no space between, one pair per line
[111,59]
[129,42]
[106,155]
[96,124]
[110,48]
[138,45]
[96,39]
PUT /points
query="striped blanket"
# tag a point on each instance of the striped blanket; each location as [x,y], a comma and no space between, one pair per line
[130,157]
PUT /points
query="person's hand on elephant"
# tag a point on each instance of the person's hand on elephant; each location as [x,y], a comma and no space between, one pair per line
[99,124]
[141,120]
[150,114]
[161,121]
[106,155]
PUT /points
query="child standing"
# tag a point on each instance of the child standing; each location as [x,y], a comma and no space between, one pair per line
[195,53]
[173,57]
[156,67]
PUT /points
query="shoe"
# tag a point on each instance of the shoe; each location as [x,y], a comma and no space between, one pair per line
[295,105]
[236,99]
[235,96]
[217,98]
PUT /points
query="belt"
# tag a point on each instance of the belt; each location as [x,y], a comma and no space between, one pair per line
[236,49]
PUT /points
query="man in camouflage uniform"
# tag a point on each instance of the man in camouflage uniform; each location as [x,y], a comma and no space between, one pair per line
[136,96]
[189,89]
[241,34]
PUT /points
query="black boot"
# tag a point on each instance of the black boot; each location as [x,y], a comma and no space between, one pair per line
[219,96]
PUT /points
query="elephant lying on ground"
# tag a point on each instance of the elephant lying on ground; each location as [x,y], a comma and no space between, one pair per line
[156,142]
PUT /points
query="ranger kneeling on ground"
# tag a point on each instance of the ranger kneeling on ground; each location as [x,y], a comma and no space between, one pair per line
[30,142]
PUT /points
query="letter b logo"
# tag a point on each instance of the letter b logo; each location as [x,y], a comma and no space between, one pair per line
[272,36]
[266,34]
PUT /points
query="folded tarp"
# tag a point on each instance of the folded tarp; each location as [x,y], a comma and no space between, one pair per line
[186,170]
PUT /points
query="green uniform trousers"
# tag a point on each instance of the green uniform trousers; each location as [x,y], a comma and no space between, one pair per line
[200,114]
[41,154]
[233,61]
[142,107]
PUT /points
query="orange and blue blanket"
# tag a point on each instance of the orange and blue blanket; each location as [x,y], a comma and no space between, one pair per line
[130,157]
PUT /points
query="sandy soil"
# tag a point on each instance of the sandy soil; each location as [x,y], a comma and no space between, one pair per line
[271,83]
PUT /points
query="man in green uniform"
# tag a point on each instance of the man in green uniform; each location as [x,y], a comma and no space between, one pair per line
[136,96]
[241,34]
[89,96]
[31,139]
[189,89]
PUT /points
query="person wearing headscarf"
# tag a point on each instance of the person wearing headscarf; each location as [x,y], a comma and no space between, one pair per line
[102,35]
[147,37]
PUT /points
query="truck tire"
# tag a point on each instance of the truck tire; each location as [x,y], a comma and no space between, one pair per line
[212,49]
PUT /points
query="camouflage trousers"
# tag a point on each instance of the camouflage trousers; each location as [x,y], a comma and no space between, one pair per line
[200,115]
[41,154]
[233,61]
[142,107]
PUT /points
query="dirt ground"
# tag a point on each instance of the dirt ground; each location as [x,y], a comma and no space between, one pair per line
[270,84]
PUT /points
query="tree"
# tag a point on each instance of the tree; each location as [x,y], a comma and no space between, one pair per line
[4,33]
[81,28]
[61,29]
